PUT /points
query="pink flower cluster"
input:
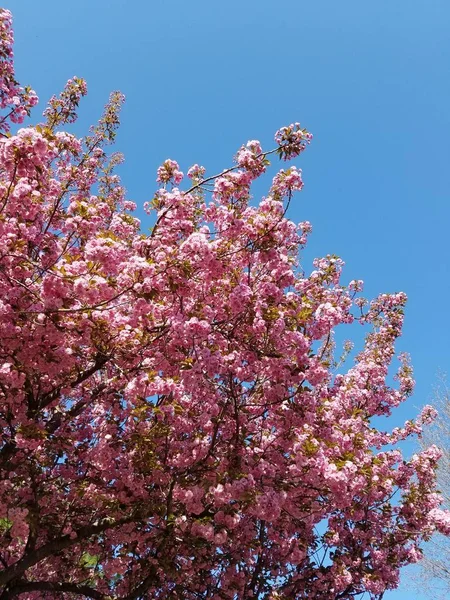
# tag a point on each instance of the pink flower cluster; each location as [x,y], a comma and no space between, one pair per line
[286,182]
[292,140]
[169,171]
[17,100]
[63,109]
[251,158]
[196,173]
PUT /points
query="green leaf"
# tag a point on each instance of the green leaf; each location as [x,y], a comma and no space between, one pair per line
[5,524]
[88,561]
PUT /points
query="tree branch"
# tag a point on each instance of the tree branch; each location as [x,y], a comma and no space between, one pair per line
[55,546]
[51,586]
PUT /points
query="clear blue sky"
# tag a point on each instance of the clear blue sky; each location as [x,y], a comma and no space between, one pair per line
[370,80]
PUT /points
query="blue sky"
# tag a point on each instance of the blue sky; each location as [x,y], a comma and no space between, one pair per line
[370,80]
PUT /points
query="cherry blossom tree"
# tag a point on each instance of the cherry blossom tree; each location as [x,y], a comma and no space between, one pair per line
[174,422]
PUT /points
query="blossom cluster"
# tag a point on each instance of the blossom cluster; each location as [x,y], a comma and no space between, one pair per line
[292,140]
[63,109]
[17,100]
[169,171]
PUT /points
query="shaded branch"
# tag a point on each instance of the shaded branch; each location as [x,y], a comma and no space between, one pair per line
[55,546]
[51,586]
